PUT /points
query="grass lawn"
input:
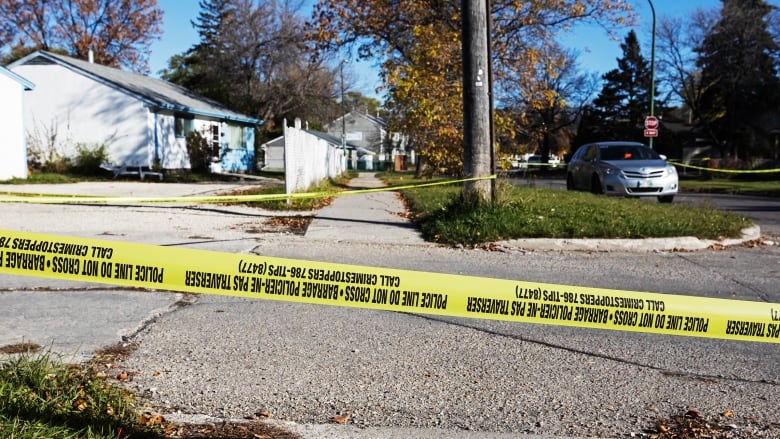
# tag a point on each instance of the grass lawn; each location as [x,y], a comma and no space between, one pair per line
[520,212]
[40,398]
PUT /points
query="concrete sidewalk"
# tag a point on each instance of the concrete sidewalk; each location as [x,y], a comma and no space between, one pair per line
[373,217]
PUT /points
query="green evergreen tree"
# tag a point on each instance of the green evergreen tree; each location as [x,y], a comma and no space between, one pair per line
[198,69]
[619,111]
[737,59]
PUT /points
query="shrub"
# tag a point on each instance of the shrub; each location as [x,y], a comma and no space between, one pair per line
[200,152]
[46,150]
[88,159]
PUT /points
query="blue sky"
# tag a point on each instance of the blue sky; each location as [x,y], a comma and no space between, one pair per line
[598,53]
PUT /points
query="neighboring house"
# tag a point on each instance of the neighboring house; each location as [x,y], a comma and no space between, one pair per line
[366,131]
[273,154]
[12,146]
[273,150]
[142,121]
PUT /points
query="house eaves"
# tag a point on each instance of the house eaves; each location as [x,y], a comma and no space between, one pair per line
[336,141]
[373,119]
[22,81]
[155,93]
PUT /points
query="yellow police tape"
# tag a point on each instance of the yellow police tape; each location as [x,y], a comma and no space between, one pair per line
[37,198]
[261,277]
[727,171]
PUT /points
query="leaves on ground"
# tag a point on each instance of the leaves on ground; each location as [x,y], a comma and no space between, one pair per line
[19,348]
[248,430]
[294,224]
[692,425]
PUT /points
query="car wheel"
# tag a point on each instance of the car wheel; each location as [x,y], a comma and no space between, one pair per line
[666,198]
[595,185]
[569,183]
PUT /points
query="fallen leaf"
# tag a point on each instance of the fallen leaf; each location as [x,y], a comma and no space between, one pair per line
[150,419]
[122,376]
[728,413]
[175,430]
[264,414]
[692,414]
[340,419]
[79,404]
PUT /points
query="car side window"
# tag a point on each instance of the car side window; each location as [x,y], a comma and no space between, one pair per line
[591,154]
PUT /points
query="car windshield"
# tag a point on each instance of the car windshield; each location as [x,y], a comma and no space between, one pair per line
[627,152]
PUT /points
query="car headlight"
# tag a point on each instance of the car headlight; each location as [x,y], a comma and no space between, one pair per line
[611,171]
[671,170]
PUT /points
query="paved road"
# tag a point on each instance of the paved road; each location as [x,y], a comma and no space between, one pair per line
[400,375]
[763,210]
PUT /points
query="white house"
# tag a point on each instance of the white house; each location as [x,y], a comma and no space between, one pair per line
[274,151]
[273,154]
[361,129]
[12,146]
[369,133]
[142,121]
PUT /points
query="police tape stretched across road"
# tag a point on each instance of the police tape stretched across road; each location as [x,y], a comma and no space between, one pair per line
[261,277]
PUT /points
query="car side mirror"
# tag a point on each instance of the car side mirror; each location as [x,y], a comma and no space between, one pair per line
[663,157]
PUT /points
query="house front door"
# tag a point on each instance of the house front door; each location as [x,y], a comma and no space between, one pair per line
[213,138]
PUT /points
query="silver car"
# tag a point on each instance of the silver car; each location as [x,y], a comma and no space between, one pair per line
[622,168]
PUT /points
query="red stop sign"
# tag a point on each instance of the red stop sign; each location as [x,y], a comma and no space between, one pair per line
[651,122]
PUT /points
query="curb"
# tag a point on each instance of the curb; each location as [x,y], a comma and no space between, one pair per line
[336,431]
[683,243]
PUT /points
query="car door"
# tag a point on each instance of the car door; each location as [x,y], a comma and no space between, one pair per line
[582,169]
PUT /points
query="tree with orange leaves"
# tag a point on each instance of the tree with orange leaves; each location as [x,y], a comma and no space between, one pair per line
[419,45]
[119,32]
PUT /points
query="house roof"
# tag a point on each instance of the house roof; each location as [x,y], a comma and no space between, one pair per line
[25,83]
[155,92]
[333,140]
[373,119]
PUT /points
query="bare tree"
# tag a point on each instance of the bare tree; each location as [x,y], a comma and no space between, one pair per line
[118,33]
[552,99]
[255,56]
[677,69]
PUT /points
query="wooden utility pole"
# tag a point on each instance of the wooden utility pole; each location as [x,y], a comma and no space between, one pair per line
[477,146]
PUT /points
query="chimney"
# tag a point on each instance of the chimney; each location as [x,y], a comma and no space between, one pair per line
[91,56]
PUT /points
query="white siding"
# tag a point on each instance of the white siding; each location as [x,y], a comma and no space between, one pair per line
[309,159]
[171,150]
[12,146]
[81,110]
[274,157]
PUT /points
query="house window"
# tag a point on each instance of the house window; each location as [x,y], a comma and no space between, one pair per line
[182,126]
[235,137]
